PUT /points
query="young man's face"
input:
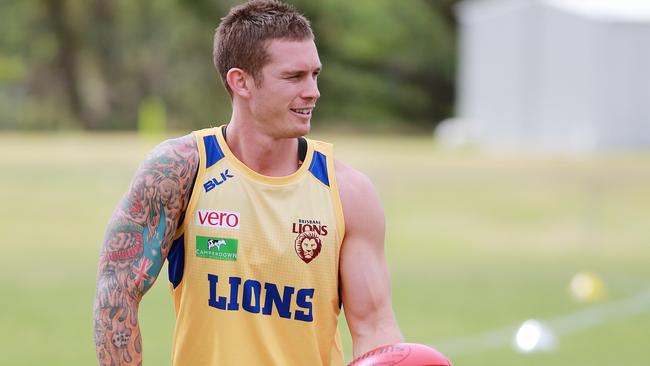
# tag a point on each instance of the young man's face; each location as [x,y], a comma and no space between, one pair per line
[283,100]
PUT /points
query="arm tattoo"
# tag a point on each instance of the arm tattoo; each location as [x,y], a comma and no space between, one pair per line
[137,242]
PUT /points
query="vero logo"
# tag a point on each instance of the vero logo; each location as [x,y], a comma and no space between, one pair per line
[217,219]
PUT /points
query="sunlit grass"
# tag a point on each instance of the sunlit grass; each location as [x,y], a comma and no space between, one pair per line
[475,242]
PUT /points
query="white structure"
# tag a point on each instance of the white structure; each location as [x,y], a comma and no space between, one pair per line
[557,75]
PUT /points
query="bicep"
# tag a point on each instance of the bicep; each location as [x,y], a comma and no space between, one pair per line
[142,227]
[365,281]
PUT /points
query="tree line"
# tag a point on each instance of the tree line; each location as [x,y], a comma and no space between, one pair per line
[94,64]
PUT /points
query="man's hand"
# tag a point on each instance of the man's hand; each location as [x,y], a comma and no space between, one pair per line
[137,241]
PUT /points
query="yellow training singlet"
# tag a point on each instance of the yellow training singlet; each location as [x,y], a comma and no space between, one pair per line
[255,266]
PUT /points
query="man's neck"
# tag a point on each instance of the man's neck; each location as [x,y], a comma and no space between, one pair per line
[266,155]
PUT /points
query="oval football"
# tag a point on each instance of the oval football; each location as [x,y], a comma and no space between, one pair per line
[402,354]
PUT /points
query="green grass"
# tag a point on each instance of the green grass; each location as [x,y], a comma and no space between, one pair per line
[475,243]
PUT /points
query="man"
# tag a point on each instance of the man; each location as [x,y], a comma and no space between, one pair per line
[266,235]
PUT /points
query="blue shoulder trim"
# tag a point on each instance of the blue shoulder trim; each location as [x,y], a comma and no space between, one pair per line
[318,167]
[213,152]
[176,261]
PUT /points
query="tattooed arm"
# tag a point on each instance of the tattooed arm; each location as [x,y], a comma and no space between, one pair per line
[138,239]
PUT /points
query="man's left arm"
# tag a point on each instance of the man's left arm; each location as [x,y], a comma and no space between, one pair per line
[365,281]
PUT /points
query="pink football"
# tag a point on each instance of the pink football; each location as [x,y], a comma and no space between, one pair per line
[402,354]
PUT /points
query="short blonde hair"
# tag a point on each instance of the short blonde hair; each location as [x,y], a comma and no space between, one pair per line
[242,36]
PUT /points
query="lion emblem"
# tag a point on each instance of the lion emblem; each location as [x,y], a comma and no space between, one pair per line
[308,246]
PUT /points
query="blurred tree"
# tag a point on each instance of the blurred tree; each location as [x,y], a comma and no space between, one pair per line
[28,50]
[91,64]
[391,60]
[68,58]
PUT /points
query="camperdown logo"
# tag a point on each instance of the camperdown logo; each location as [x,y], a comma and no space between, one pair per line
[216,248]
[216,243]
[308,243]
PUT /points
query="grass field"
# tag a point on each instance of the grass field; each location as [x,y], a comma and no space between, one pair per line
[476,245]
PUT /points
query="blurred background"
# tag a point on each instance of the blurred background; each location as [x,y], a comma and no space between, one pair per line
[92,65]
[508,139]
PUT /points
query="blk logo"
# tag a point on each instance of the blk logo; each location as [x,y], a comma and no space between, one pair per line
[214,182]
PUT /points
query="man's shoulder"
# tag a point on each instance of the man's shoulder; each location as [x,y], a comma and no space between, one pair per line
[181,152]
[350,178]
[362,210]
[320,145]
[346,176]
[184,146]
[356,190]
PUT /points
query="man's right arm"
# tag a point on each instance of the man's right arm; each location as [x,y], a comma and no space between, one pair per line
[137,241]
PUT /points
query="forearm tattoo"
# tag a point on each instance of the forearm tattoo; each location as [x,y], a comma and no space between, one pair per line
[137,241]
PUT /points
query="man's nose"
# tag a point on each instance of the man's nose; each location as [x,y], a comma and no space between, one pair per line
[311,90]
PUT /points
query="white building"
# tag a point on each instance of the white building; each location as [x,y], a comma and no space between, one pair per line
[557,75]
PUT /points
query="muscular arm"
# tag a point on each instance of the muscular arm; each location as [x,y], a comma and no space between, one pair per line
[365,282]
[137,241]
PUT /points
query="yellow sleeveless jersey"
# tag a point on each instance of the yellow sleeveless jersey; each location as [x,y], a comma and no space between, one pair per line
[254,269]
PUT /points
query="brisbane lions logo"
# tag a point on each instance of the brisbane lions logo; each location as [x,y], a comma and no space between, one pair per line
[308,246]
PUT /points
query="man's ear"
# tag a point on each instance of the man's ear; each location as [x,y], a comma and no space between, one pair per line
[239,82]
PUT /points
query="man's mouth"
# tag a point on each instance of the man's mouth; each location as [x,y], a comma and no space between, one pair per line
[303,111]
